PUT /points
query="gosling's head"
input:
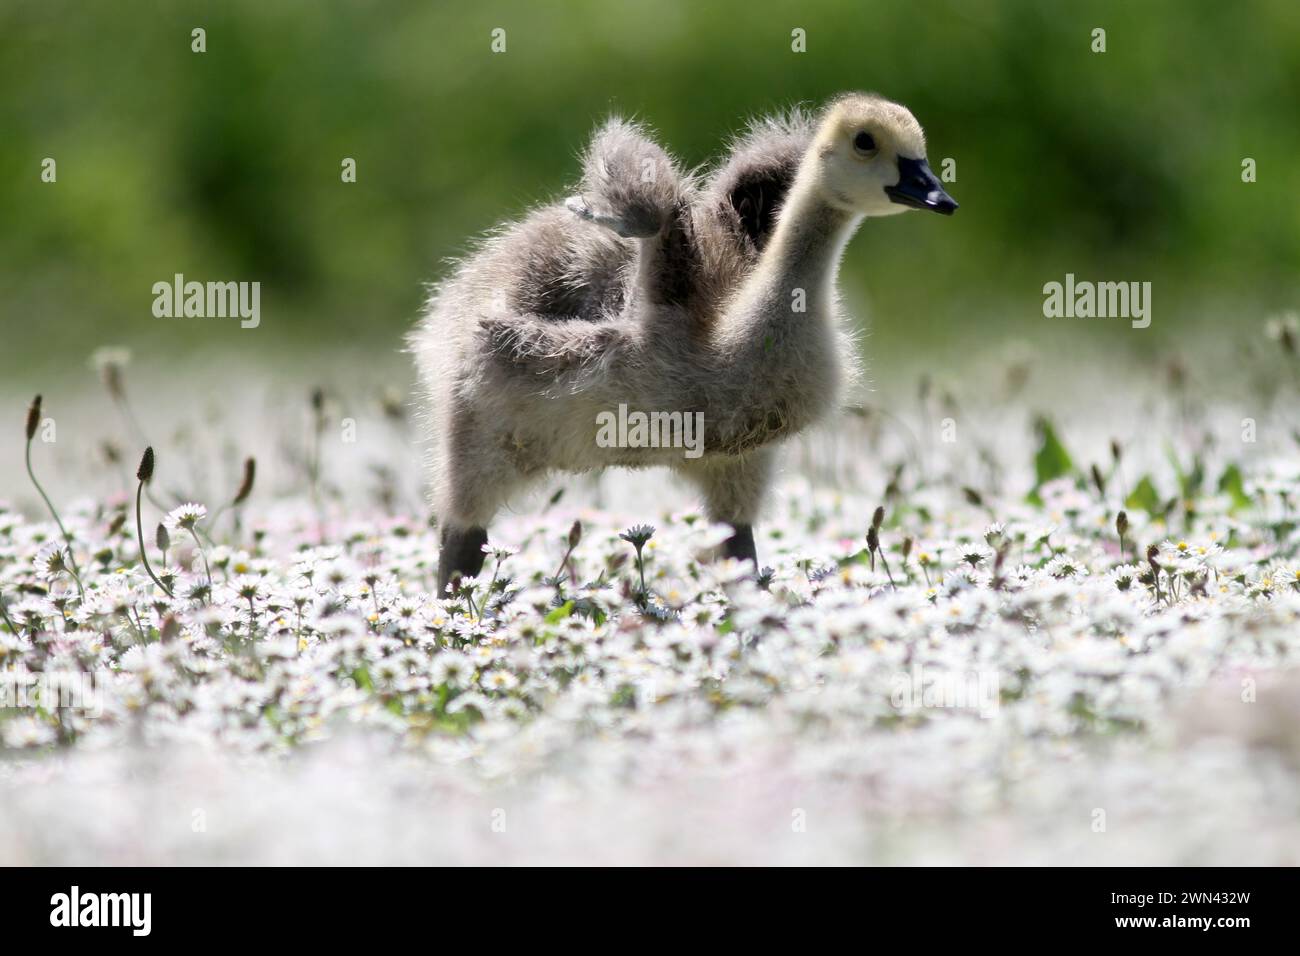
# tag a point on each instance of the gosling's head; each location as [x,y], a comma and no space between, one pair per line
[872,159]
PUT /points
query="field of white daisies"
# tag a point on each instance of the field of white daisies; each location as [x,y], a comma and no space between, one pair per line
[988,630]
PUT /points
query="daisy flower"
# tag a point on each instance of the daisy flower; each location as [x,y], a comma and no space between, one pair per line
[186,516]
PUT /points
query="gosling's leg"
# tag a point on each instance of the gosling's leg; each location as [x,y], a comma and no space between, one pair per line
[741,544]
[733,494]
[461,553]
[471,480]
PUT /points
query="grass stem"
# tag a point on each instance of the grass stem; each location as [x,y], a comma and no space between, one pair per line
[72,558]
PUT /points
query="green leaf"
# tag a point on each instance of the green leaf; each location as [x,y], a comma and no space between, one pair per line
[858,557]
[1231,484]
[1051,460]
[1144,496]
[1189,482]
[560,613]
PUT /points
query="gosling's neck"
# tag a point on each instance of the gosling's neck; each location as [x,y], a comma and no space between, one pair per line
[810,236]
[794,280]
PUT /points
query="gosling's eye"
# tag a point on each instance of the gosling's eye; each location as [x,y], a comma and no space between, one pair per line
[864,142]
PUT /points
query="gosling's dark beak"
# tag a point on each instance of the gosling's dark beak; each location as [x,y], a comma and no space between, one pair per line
[919,188]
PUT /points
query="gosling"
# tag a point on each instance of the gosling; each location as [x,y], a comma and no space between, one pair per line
[672,295]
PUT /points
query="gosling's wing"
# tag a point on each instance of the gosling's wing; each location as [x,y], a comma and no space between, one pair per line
[629,182]
[541,347]
[756,198]
[752,182]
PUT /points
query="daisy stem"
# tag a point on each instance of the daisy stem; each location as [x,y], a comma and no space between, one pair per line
[215,516]
[640,563]
[888,573]
[134,618]
[139,531]
[5,614]
[72,569]
[314,460]
[72,560]
[206,567]
[491,584]
[563,563]
[124,407]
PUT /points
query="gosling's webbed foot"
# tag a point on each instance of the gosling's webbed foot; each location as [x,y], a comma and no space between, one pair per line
[630,185]
[461,553]
[628,226]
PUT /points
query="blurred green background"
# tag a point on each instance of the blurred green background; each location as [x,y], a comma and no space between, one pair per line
[226,165]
